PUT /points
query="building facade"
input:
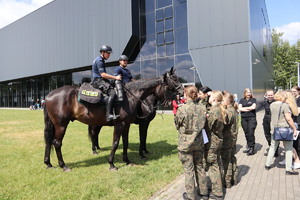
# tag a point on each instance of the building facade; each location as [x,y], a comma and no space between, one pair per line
[225,45]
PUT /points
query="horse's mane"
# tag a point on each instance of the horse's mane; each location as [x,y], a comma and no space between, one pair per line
[143,84]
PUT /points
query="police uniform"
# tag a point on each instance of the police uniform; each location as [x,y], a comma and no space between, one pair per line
[126,74]
[190,120]
[103,84]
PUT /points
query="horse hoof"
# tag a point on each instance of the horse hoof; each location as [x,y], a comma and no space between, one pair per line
[130,164]
[147,152]
[50,167]
[95,153]
[67,169]
[113,169]
[98,148]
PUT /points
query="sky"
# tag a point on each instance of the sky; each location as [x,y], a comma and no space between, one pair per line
[284,15]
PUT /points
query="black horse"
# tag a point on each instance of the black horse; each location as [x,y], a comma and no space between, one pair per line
[62,106]
[146,114]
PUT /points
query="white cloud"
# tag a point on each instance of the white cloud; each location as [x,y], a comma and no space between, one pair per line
[12,10]
[291,32]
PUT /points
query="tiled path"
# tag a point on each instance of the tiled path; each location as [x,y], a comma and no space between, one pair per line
[254,182]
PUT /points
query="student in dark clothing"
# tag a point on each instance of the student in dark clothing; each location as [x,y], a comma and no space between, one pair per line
[247,106]
[295,91]
[269,98]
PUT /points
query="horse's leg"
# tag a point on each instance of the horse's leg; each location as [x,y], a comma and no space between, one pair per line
[125,144]
[93,134]
[143,129]
[116,139]
[57,142]
[48,136]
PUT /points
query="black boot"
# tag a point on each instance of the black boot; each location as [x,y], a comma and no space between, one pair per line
[246,150]
[119,90]
[251,151]
[109,105]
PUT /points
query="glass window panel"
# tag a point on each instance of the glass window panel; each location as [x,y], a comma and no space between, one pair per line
[159,14]
[165,64]
[148,68]
[150,23]
[180,16]
[161,51]
[163,3]
[159,26]
[178,1]
[60,80]
[169,12]
[160,38]
[149,5]
[170,49]
[135,69]
[181,41]
[169,24]
[169,37]
[148,50]
[183,65]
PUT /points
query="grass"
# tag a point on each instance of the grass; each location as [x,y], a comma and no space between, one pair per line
[23,174]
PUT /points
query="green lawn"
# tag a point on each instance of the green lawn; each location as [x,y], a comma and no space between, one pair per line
[23,175]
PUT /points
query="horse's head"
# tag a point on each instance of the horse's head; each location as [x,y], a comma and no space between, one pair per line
[172,82]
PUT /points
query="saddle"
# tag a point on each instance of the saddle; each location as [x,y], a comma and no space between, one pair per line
[88,94]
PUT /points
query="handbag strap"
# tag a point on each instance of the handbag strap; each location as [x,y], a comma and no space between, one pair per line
[279,113]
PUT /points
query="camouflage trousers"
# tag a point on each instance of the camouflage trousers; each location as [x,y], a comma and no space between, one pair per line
[214,173]
[194,171]
[229,167]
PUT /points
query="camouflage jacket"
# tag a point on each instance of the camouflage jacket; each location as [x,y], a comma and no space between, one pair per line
[215,130]
[230,129]
[189,120]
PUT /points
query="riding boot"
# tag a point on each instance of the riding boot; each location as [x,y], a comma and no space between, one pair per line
[109,105]
[119,90]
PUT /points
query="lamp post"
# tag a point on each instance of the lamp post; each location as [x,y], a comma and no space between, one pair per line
[298,75]
[194,69]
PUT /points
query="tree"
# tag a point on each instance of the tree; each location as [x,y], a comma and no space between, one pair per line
[285,56]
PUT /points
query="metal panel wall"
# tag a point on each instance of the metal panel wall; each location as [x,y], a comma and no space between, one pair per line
[63,35]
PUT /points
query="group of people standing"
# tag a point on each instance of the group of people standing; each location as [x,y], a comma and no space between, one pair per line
[207,141]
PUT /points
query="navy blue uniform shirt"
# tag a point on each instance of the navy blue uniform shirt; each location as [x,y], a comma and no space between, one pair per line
[125,73]
[98,67]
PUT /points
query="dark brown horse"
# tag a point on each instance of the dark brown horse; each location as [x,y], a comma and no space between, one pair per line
[62,106]
[147,111]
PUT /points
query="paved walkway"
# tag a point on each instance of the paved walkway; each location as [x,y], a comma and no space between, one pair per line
[254,182]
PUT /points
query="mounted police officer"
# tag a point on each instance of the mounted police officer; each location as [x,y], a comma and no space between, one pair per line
[125,73]
[100,79]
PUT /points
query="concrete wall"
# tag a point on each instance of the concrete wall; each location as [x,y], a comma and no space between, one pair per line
[63,35]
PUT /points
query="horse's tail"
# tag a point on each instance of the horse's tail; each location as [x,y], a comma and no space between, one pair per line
[49,128]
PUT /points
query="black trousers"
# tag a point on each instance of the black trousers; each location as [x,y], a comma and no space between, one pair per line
[249,125]
[267,128]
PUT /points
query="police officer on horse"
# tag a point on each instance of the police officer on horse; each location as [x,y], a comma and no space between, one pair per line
[100,80]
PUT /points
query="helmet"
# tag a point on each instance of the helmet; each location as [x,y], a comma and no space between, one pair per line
[123,57]
[106,48]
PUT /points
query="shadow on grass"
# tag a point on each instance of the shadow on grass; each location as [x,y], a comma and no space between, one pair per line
[158,150]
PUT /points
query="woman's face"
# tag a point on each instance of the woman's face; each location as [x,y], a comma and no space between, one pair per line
[202,95]
[248,94]
[211,99]
[294,92]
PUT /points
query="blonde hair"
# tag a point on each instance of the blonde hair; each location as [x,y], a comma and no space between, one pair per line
[191,92]
[245,91]
[230,98]
[218,96]
[287,97]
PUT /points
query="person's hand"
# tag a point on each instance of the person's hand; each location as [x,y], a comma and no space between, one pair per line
[295,133]
[119,77]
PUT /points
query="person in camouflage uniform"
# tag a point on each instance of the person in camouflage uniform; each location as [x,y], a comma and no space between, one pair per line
[216,118]
[190,120]
[229,142]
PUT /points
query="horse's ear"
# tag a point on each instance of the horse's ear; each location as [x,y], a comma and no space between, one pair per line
[172,70]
